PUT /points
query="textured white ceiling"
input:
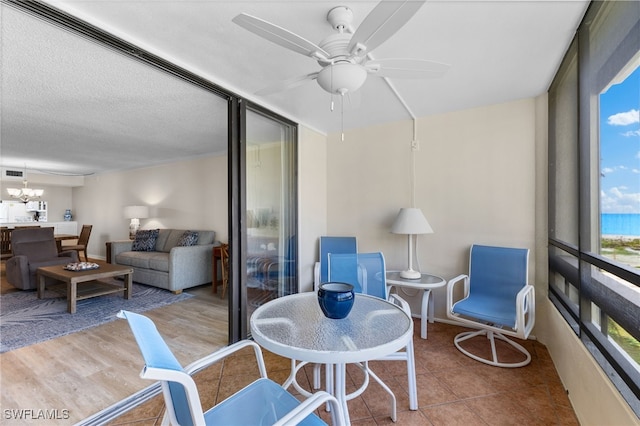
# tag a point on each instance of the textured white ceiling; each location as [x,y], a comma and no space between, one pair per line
[73,106]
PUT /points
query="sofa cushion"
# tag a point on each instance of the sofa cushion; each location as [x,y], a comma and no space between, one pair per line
[145,240]
[38,250]
[138,259]
[206,237]
[156,260]
[171,241]
[163,234]
[188,238]
[159,261]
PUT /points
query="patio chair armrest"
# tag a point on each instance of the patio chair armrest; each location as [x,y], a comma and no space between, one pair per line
[311,404]
[316,276]
[399,301]
[525,310]
[451,285]
[225,352]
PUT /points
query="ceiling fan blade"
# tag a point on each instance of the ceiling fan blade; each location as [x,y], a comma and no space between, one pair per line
[280,36]
[287,84]
[381,23]
[406,68]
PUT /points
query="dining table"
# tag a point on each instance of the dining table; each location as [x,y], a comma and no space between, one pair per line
[294,327]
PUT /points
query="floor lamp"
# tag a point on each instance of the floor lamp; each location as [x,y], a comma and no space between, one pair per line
[411,221]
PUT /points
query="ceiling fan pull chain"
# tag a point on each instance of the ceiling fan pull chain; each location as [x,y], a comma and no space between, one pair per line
[342,116]
[331,87]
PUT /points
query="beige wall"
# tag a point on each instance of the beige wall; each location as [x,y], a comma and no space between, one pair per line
[312,200]
[186,195]
[474,181]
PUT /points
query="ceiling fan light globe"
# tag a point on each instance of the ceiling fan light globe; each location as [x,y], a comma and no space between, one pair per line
[342,78]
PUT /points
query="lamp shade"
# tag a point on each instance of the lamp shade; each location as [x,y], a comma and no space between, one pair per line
[411,221]
[136,212]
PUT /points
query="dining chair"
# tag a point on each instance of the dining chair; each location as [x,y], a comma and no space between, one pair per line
[263,402]
[497,299]
[82,243]
[5,242]
[326,245]
[367,273]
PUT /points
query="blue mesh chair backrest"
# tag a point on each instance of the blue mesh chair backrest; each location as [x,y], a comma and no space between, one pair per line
[334,245]
[497,272]
[157,354]
[365,271]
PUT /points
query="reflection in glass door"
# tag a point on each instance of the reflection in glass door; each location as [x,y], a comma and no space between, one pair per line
[271,202]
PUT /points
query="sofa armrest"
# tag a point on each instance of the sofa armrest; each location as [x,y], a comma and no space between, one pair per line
[118,247]
[190,264]
[17,269]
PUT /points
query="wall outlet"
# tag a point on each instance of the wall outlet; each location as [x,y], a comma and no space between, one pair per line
[415,145]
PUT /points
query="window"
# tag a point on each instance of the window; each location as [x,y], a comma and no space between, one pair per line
[594,190]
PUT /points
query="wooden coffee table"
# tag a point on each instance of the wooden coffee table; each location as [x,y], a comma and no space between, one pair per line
[91,286]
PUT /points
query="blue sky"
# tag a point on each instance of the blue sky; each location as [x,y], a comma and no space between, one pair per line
[620,146]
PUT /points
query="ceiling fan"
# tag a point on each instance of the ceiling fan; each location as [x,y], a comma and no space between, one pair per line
[345,56]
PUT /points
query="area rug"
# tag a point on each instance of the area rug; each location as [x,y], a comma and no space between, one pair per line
[26,320]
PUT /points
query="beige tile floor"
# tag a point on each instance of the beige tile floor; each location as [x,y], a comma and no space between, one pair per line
[452,388]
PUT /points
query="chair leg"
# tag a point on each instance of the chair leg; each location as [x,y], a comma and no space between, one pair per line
[491,336]
[392,397]
[411,374]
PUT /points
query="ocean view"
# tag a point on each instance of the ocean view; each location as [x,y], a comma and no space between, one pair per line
[620,224]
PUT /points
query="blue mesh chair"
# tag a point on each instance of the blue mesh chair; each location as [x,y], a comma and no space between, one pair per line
[367,273]
[497,300]
[331,245]
[262,402]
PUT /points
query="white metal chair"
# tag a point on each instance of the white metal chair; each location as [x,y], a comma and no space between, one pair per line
[367,273]
[262,402]
[497,300]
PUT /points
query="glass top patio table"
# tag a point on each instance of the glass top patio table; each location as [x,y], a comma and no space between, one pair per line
[295,327]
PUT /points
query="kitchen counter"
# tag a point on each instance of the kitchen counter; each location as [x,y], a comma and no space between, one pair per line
[59,227]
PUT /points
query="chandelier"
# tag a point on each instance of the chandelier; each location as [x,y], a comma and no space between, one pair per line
[25,194]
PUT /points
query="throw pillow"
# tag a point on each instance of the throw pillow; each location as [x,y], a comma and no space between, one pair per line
[145,240]
[189,238]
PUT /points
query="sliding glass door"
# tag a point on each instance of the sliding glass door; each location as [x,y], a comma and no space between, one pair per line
[271,205]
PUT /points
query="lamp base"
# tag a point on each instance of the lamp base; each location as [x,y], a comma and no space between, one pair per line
[410,274]
[133,228]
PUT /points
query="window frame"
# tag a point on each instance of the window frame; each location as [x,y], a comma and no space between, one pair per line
[576,266]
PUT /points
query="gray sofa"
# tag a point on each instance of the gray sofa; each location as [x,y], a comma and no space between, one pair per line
[169,266]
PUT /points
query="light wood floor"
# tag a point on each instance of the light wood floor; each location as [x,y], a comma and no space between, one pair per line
[88,371]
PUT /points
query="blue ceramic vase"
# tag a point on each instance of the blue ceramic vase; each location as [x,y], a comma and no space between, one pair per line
[336,299]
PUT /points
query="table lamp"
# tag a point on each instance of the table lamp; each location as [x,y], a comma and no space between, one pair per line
[411,221]
[135,213]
